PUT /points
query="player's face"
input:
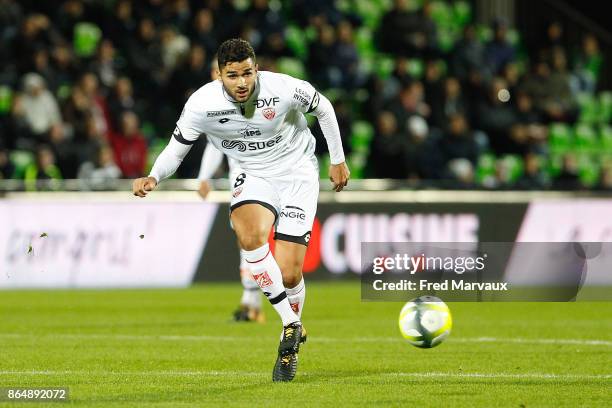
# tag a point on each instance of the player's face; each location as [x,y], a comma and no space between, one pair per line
[239,79]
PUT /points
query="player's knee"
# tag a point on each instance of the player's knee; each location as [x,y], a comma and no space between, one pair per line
[252,239]
[292,273]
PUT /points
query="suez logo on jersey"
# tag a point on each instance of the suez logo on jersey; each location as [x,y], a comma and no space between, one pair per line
[251,146]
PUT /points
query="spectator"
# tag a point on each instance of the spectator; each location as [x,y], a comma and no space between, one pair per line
[387,155]
[495,116]
[39,107]
[106,65]
[6,167]
[423,160]
[408,33]
[203,31]
[498,51]
[345,58]
[568,178]
[129,146]
[43,174]
[588,64]
[468,56]
[120,100]
[97,174]
[533,178]
[459,141]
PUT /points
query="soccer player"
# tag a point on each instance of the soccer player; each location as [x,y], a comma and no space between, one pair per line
[257,119]
[250,302]
[249,309]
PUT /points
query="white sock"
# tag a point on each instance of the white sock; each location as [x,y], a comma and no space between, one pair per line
[268,276]
[251,295]
[296,296]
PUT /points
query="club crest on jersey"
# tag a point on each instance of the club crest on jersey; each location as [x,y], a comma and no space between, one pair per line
[263,280]
[269,113]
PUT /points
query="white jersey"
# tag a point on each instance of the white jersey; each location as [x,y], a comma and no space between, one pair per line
[267,135]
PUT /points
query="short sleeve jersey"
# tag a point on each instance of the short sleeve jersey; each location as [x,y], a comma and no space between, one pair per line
[267,135]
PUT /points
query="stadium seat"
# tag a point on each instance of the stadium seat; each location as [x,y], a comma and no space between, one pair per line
[6,99]
[364,40]
[485,169]
[86,39]
[21,159]
[586,139]
[589,108]
[361,136]
[155,148]
[605,106]
[296,41]
[588,170]
[560,137]
[605,136]
[514,165]
[384,66]
[462,13]
[292,66]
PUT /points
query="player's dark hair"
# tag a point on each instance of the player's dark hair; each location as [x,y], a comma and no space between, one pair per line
[234,50]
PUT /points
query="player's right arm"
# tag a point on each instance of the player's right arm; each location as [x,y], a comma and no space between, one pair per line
[211,160]
[188,129]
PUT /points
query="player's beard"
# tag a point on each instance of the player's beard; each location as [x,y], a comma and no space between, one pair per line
[243,97]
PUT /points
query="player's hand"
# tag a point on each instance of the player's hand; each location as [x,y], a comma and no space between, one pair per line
[204,189]
[141,186]
[339,175]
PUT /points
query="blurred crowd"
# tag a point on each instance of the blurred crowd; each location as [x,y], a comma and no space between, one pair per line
[92,89]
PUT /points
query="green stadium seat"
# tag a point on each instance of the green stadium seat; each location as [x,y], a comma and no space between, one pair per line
[21,159]
[361,136]
[589,108]
[560,138]
[155,148]
[86,38]
[485,169]
[370,11]
[442,14]
[296,41]
[383,66]
[324,163]
[364,40]
[462,13]
[416,67]
[585,138]
[292,66]
[605,136]
[356,162]
[588,170]
[605,106]
[515,166]
[553,167]
[6,99]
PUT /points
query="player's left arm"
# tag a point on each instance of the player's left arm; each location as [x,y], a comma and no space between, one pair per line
[308,100]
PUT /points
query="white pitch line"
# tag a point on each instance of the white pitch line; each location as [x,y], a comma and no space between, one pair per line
[233,374]
[161,337]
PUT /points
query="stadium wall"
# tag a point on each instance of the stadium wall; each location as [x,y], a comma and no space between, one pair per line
[172,239]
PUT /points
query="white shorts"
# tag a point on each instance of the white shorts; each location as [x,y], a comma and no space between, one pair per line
[292,199]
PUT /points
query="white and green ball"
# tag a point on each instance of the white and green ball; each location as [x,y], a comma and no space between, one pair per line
[425,321]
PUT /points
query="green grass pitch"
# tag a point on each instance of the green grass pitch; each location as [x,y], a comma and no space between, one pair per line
[178,348]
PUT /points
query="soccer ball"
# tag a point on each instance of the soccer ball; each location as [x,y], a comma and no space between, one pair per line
[425,321]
